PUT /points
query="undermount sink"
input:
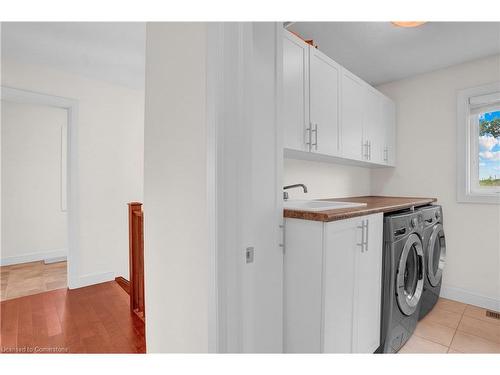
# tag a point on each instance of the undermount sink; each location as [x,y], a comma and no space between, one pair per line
[317,205]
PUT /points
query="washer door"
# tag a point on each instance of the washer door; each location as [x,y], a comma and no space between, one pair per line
[436,255]
[410,277]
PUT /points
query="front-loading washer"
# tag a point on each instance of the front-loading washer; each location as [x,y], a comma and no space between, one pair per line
[403,278]
[434,243]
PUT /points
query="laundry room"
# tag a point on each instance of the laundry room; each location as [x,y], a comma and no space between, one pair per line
[426,127]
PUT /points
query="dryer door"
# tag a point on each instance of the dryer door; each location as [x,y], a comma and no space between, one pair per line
[437,255]
[410,276]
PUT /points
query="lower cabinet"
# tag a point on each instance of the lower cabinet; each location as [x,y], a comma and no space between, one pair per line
[333,276]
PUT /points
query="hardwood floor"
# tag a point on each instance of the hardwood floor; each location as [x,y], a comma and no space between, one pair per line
[25,279]
[94,319]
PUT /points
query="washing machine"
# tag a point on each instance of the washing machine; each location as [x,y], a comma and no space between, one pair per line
[434,243]
[403,278]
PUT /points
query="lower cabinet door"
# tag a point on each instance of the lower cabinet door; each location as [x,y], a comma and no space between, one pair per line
[302,286]
[368,288]
[352,272]
[340,248]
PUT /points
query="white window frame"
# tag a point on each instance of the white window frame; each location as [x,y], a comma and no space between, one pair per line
[468,190]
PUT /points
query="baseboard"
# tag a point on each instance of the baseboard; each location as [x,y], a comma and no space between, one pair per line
[91,279]
[33,257]
[55,260]
[124,283]
[465,296]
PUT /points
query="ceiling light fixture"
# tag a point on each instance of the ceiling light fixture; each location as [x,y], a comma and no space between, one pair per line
[408,23]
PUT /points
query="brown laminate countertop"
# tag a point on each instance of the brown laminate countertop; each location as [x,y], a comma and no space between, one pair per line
[374,204]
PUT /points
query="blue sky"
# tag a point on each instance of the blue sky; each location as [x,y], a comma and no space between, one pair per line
[489,151]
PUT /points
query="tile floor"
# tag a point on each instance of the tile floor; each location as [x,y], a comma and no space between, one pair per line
[25,279]
[454,327]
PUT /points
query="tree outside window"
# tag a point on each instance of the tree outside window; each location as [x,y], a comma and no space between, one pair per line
[489,149]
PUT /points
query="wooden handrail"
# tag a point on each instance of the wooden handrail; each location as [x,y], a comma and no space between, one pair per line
[136,258]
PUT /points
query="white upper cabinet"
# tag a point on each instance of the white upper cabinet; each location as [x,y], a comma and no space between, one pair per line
[324,76]
[331,112]
[374,132]
[352,100]
[389,119]
[295,92]
[379,128]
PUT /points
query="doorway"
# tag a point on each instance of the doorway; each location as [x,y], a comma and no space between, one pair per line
[38,138]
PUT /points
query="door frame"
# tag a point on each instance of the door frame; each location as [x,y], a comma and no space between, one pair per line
[230,45]
[71,106]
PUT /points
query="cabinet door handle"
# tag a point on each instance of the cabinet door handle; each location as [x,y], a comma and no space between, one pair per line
[362,243]
[282,244]
[369,150]
[366,236]
[315,131]
[366,150]
[308,136]
[316,141]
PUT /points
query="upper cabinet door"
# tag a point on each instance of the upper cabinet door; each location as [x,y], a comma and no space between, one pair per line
[324,103]
[374,129]
[389,121]
[352,101]
[295,92]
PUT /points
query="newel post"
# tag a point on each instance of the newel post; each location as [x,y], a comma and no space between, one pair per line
[136,258]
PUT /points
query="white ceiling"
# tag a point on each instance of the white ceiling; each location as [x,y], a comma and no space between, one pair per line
[379,52]
[110,51]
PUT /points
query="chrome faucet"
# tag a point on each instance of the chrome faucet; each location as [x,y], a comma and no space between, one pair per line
[285,193]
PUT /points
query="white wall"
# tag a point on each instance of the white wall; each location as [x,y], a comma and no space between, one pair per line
[175,188]
[110,161]
[212,127]
[426,166]
[34,219]
[325,180]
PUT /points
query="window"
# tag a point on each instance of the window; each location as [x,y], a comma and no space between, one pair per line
[479,144]
[489,148]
